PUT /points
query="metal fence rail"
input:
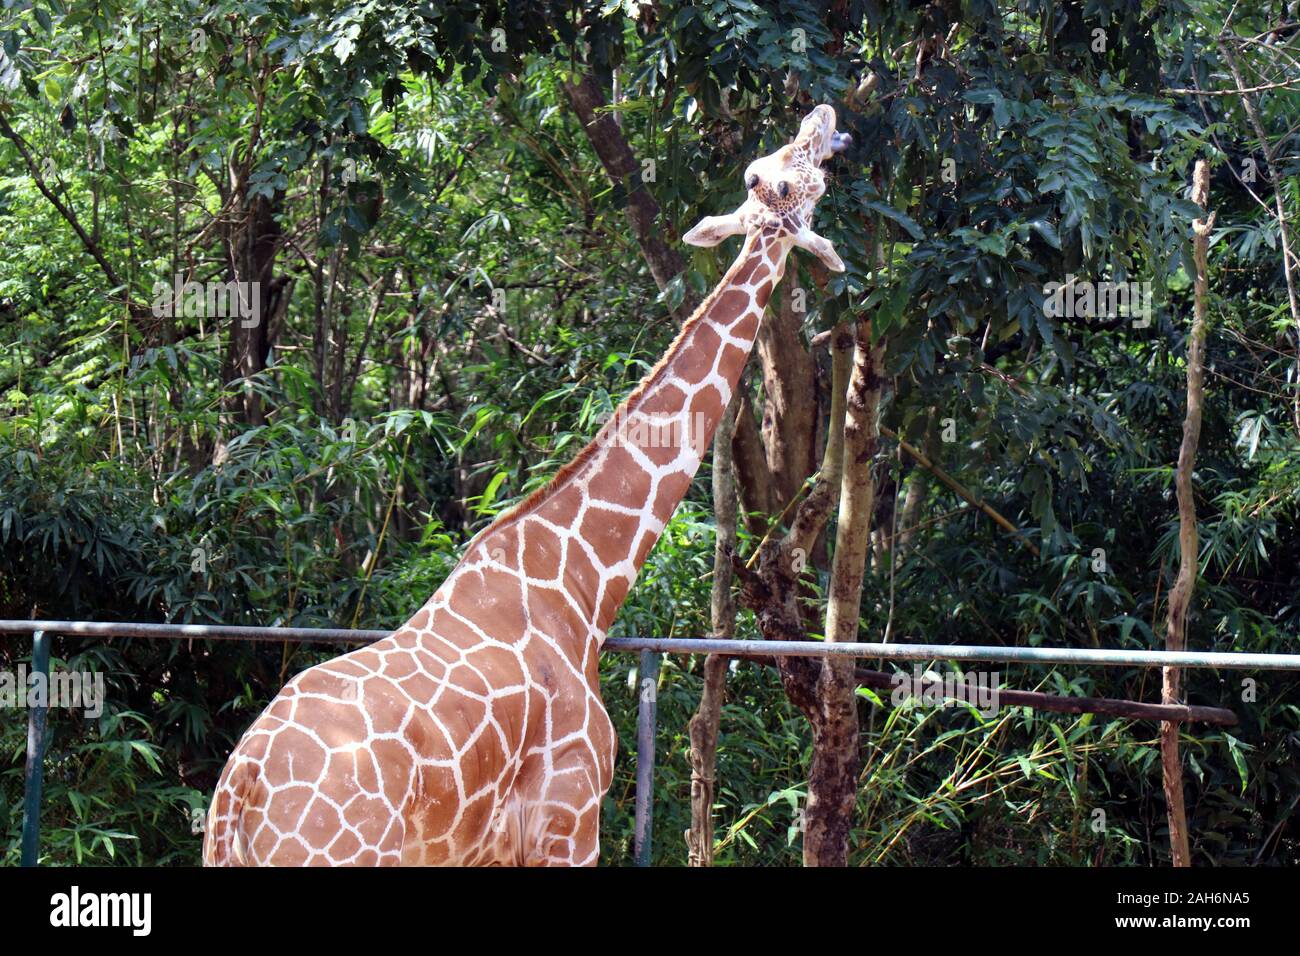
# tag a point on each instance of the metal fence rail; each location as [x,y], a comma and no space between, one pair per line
[1231,660]
[649,648]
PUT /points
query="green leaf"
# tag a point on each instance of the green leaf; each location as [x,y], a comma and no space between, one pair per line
[490,492]
[901,218]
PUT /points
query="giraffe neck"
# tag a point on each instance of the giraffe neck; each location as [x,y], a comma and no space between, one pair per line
[591,529]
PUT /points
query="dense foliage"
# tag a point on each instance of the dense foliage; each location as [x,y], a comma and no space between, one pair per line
[450,301]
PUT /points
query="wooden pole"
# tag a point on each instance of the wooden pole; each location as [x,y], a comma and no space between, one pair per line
[1111,706]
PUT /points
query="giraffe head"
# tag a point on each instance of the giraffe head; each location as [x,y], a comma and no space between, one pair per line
[783,190]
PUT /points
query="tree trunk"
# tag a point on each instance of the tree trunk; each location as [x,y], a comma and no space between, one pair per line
[252,246]
[753,480]
[917,487]
[789,387]
[1180,597]
[837,754]
[704,726]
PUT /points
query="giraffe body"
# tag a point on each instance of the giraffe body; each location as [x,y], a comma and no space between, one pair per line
[422,750]
[475,734]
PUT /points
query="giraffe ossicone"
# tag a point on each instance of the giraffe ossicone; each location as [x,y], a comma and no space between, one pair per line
[475,734]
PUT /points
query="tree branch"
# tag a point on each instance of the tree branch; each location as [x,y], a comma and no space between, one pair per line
[1284,233]
[624,172]
[923,460]
[65,211]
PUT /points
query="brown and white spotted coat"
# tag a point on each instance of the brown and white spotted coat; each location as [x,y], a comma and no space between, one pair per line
[475,734]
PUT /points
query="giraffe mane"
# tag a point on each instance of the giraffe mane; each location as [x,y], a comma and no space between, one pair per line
[749,247]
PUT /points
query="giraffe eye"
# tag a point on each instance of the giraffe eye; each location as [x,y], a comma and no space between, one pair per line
[783,189]
[751,180]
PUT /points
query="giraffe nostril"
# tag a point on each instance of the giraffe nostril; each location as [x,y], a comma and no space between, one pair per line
[751,180]
[783,189]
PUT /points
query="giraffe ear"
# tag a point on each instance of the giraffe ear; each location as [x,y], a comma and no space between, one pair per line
[821,248]
[711,230]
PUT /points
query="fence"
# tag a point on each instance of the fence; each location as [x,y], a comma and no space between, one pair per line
[649,648]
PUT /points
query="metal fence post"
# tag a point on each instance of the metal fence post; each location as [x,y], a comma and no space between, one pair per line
[645,755]
[34,775]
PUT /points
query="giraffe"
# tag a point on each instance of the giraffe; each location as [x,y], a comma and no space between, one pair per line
[475,734]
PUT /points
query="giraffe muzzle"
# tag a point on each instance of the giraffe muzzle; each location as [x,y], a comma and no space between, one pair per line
[817,134]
